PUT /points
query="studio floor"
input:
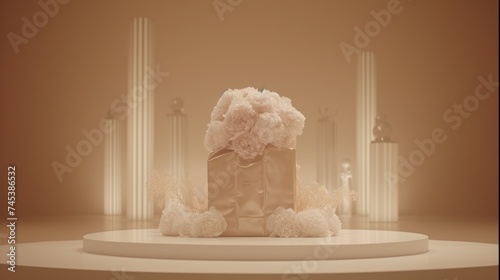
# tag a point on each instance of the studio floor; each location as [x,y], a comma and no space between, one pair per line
[66,228]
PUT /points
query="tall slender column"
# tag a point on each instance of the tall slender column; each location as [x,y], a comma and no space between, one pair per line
[176,143]
[326,160]
[366,113]
[384,191]
[112,168]
[140,119]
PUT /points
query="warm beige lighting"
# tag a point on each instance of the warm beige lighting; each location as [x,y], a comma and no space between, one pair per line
[112,171]
[140,119]
[366,113]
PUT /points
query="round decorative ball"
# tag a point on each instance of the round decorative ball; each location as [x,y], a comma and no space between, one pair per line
[382,130]
[177,104]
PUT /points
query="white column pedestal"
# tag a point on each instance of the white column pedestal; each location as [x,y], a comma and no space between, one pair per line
[177,141]
[326,160]
[365,112]
[112,170]
[383,191]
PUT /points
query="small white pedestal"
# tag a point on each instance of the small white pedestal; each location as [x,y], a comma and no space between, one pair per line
[383,191]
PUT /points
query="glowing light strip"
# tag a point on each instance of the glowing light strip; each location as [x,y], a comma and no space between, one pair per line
[112,173]
[140,121]
[366,113]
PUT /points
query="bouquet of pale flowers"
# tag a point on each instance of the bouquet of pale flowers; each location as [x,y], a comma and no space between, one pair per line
[247,120]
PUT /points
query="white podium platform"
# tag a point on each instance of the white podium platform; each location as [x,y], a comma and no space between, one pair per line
[349,244]
[448,260]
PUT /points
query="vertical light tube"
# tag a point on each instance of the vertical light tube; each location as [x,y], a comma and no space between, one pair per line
[366,113]
[140,120]
[326,160]
[112,169]
[177,146]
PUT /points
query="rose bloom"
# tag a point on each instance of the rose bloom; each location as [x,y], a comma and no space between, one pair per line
[247,145]
[208,224]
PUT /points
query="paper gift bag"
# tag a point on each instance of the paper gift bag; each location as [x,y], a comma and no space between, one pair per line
[248,191]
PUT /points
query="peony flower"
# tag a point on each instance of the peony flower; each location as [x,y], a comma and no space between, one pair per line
[170,214]
[334,223]
[285,140]
[313,223]
[183,223]
[167,221]
[262,102]
[245,92]
[247,145]
[291,117]
[217,136]
[239,118]
[270,117]
[273,95]
[282,223]
[208,224]
[268,128]
[223,104]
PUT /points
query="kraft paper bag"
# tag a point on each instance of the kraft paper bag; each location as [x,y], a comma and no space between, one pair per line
[248,191]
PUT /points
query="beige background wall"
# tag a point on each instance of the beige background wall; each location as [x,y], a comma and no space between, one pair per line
[430,55]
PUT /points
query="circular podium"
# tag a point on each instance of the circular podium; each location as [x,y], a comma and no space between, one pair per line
[353,255]
[349,244]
